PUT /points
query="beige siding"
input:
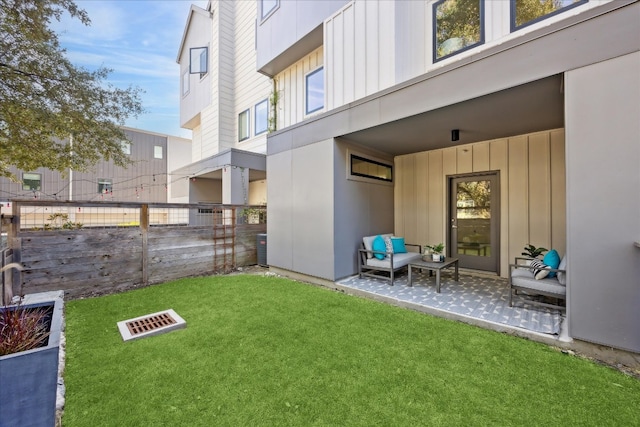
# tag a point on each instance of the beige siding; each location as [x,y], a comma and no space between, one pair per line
[532,190]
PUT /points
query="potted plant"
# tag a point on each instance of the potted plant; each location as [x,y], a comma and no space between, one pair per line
[435,251]
[30,333]
[532,252]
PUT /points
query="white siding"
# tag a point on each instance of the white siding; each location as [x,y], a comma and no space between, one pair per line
[251,87]
[199,96]
[291,91]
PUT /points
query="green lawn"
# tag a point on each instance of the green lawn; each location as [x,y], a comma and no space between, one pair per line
[270,351]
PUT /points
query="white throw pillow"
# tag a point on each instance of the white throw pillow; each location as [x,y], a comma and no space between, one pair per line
[537,269]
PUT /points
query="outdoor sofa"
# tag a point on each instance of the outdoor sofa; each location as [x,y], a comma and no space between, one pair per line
[370,264]
[522,278]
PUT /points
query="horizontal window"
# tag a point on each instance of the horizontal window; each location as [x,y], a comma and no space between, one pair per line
[527,12]
[367,168]
[458,25]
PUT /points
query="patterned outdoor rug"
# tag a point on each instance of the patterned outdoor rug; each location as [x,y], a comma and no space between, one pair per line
[473,296]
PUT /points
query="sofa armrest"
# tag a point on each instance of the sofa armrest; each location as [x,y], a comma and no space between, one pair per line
[415,246]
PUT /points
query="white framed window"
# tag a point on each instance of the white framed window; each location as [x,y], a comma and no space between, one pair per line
[458,25]
[157,152]
[31,181]
[527,12]
[185,82]
[199,60]
[126,147]
[243,125]
[267,7]
[314,91]
[105,185]
[261,117]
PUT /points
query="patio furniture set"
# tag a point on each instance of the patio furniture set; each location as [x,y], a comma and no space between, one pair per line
[541,282]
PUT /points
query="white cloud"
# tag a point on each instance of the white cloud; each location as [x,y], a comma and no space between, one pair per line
[138,40]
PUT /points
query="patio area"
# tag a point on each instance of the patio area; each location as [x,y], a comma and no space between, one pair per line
[475,298]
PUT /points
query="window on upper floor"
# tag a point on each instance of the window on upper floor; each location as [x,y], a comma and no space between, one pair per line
[314,91]
[458,25]
[185,82]
[199,60]
[157,152]
[527,12]
[243,125]
[126,147]
[105,185]
[31,181]
[267,7]
[261,117]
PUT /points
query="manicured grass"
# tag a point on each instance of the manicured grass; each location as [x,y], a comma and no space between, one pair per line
[269,351]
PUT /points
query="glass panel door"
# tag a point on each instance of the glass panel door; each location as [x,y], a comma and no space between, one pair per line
[473,232]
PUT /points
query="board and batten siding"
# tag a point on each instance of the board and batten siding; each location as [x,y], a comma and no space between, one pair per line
[532,191]
[291,89]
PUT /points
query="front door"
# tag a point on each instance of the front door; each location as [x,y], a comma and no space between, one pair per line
[474,221]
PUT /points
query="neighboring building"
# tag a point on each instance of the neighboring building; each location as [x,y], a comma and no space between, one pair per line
[391,113]
[145,180]
[226,105]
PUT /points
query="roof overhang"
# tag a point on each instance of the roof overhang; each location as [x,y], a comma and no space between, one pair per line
[212,167]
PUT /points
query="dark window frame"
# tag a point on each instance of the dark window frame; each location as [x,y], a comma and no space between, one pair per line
[512,14]
[375,162]
[26,187]
[204,50]
[434,27]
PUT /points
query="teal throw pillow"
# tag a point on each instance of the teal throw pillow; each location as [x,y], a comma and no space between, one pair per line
[378,245]
[398,245]
[552,259]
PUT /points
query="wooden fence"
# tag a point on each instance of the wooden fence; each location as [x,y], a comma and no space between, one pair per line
[98,255]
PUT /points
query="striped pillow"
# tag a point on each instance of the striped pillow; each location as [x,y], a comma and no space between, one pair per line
[536,267]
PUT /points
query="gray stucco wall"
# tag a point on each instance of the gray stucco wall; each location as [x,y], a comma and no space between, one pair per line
[300,225]
[361,209]
[603,202]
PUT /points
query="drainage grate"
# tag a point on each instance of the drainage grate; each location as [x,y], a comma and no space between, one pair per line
[151,324]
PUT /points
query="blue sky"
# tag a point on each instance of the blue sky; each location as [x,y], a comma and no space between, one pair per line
[138,40]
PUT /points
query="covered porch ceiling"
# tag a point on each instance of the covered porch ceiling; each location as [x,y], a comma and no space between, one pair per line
[531,107]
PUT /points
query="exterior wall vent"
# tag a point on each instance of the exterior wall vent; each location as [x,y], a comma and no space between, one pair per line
[151,324]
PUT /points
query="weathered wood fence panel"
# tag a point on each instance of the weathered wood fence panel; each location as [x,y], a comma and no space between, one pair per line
[96,259]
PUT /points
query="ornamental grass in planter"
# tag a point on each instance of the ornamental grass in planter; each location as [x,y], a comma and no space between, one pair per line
[29,345]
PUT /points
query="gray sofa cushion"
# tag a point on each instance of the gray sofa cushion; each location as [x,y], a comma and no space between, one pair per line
[521,277]
[368,242]
[399,260]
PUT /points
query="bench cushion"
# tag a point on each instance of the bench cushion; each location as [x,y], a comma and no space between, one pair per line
[399,260]
[524,278]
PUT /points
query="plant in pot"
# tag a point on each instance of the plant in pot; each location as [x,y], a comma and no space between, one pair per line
[30,334]
[434,251]
[533,252]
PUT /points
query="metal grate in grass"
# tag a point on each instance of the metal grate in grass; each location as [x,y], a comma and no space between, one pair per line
[150,324]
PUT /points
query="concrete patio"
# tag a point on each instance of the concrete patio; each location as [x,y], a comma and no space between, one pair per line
[475,298]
